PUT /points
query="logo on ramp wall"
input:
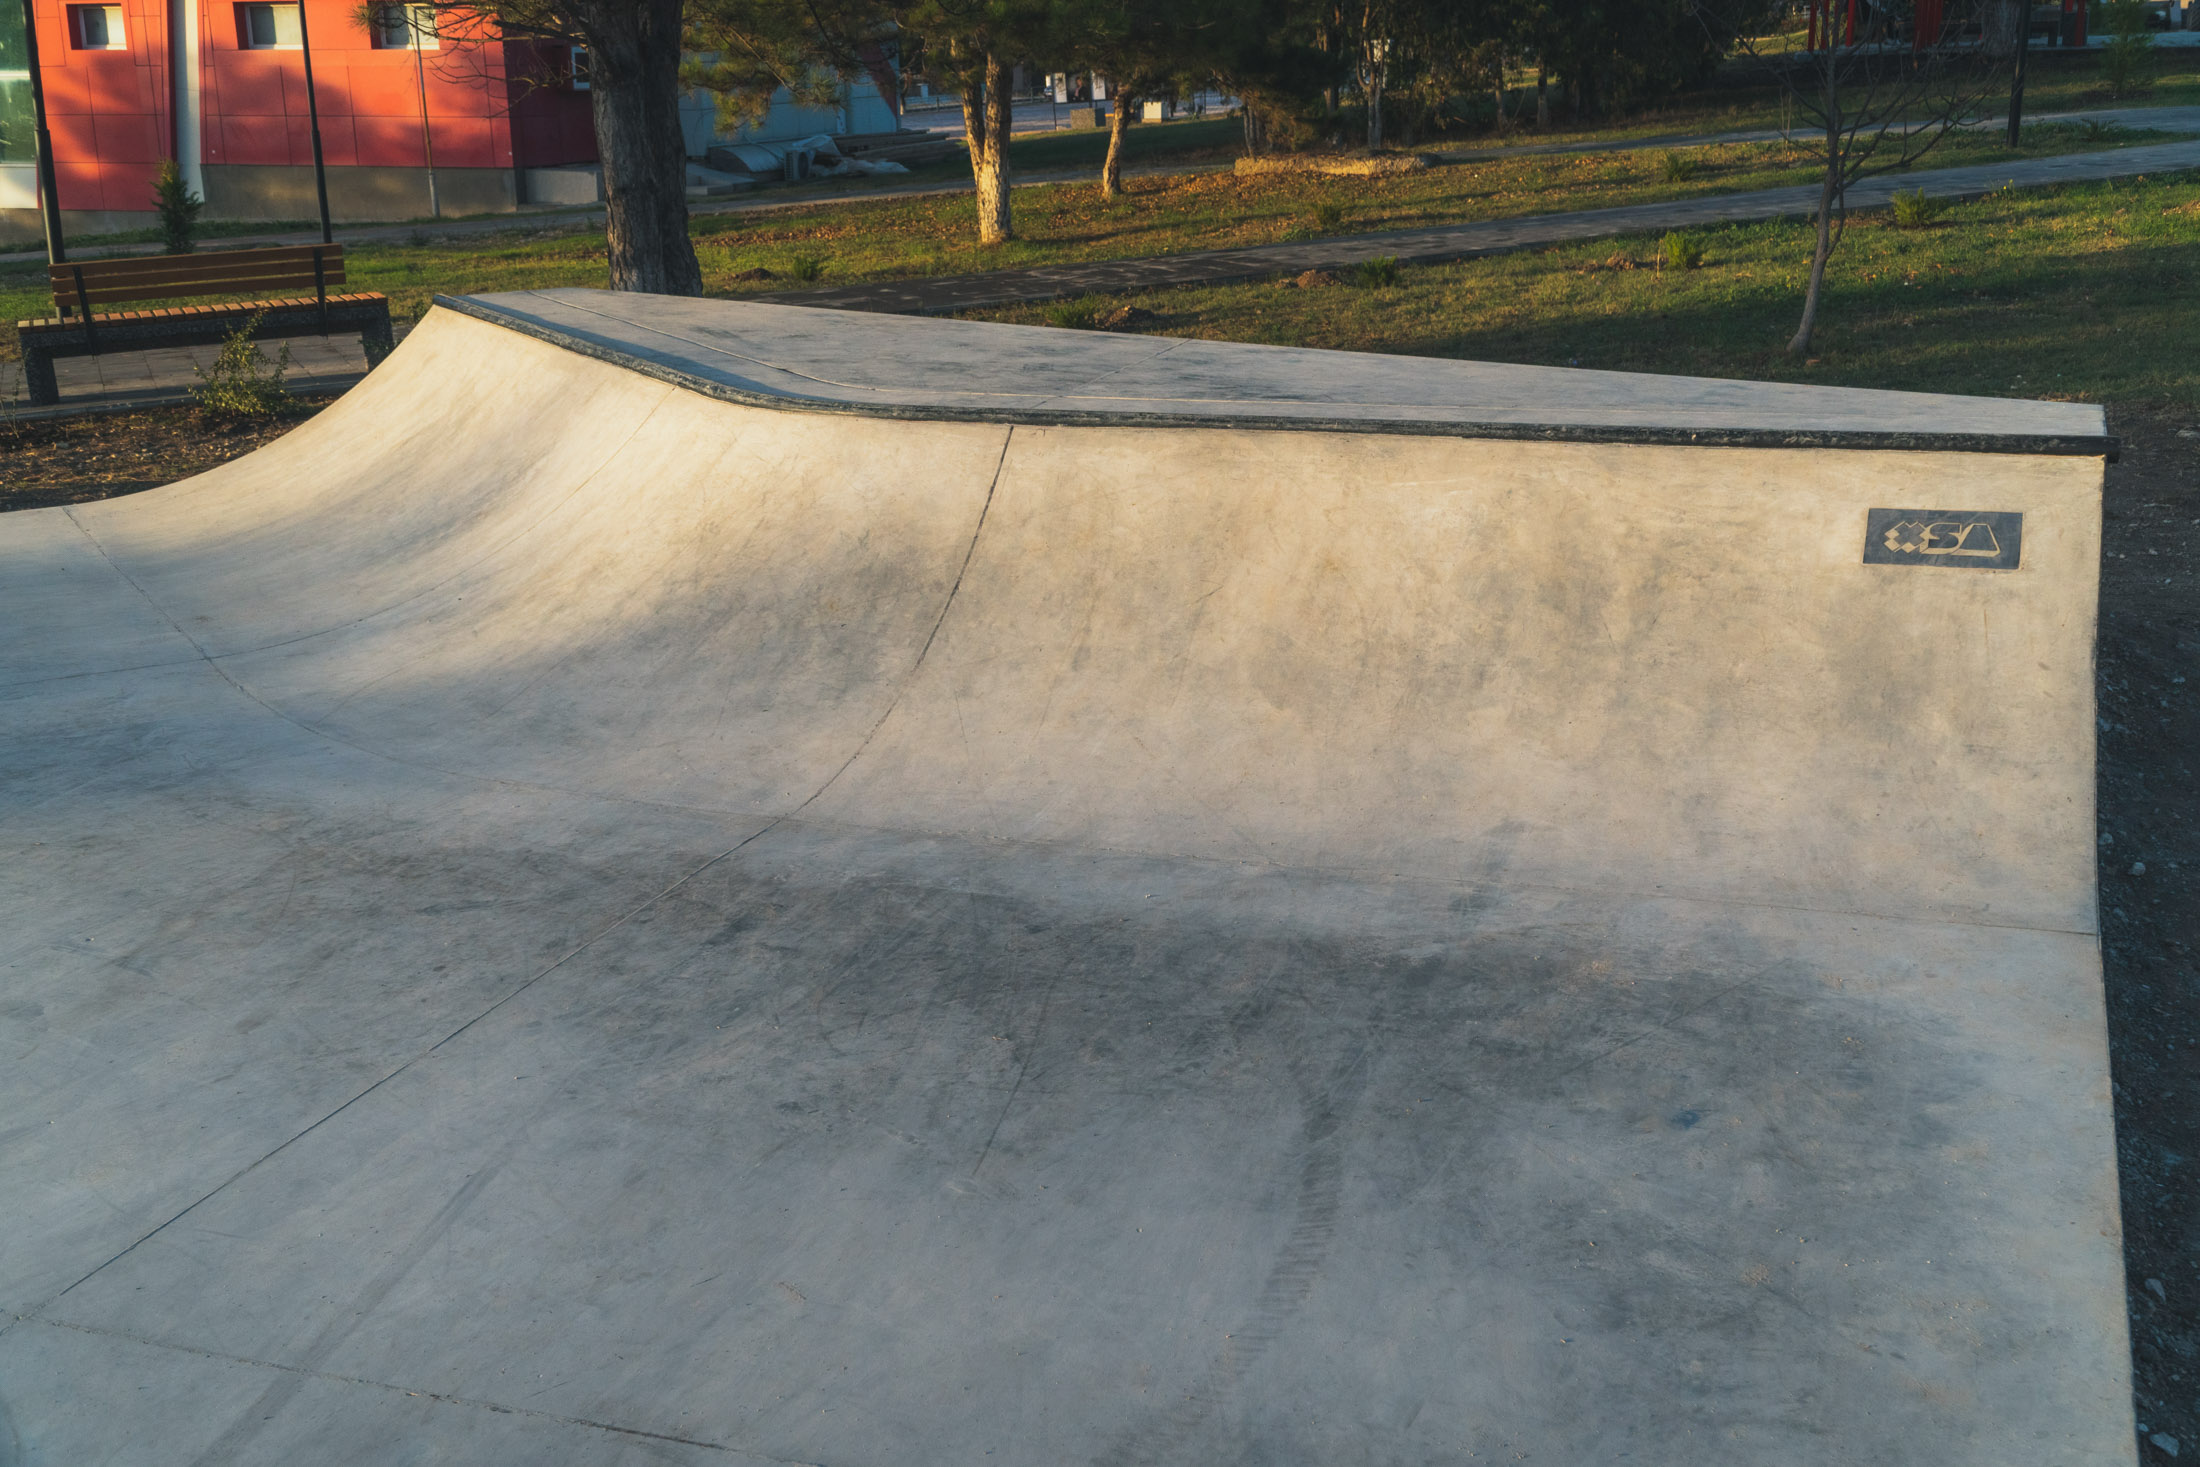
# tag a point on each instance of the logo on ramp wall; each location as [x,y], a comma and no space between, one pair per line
[1968,539]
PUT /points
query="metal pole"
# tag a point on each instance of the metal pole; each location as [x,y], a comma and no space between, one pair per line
[49,192]
[313,122]
[2016,88]
[420,74]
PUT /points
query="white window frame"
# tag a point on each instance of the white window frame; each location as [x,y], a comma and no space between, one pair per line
[249,32]
[405,27]
[110,23]
[577,70]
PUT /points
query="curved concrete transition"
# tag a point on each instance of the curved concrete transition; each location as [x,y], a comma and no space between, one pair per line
[676,881]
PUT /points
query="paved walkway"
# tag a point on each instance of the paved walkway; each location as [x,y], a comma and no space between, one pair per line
[945,295]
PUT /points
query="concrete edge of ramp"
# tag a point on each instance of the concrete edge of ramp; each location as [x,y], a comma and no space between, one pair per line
[1731,414]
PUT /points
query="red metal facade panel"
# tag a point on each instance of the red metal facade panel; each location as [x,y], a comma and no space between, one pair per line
[551,123]
[110,110]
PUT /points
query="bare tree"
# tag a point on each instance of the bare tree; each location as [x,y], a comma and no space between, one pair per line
[1880,85]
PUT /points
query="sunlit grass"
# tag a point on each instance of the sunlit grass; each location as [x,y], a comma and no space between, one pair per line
[2083,292]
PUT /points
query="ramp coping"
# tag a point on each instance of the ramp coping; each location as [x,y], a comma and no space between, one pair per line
[807,359]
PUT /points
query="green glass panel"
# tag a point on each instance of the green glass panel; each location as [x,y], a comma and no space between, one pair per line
[15,87]
[15,120]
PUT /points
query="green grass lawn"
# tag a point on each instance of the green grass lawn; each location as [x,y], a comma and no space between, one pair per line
[1064,223]
[2084,292]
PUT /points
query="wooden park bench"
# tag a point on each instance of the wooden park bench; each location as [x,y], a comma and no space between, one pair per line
[278,276]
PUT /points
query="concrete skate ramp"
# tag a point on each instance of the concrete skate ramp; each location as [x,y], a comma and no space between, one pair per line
[678,881]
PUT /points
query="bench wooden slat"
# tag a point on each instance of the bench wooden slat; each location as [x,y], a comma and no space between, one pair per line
[172,290]
[74,325]
[203,260]
[217,272]
[241,271]
[266,271]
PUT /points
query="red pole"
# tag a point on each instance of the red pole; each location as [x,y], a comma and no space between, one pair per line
[1813,44]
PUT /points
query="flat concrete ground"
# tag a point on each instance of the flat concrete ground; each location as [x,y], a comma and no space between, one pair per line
[572,919]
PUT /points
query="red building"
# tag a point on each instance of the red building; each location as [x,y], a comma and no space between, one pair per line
[221,87]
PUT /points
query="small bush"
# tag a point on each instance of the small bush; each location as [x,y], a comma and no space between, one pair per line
[806,268]
[241,387]
[1328,215]
[1916,209]
[1678,167]
[2127,61]
[1379,273]
[1680,252]
[178,208]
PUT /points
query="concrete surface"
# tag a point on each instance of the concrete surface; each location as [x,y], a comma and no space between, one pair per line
[553,916]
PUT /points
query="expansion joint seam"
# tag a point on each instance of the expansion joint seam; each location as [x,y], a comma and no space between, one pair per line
[925,652]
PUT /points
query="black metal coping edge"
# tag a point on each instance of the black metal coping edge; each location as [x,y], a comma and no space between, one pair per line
[2102,446]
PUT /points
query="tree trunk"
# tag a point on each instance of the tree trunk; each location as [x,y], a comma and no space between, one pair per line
[1542,99]
[987,118]
[1828,192]
[1374,106]
[1119,130]
[634,74]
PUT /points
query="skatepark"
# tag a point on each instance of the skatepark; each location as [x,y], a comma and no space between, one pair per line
[681,881]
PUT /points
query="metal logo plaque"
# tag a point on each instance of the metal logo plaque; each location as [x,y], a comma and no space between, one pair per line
[1964,539]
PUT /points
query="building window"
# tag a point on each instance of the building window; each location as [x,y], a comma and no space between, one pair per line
[405,27]
[15,89]
[579,72]
[95,27]
[268,27]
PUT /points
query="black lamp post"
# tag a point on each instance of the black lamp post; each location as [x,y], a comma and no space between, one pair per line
[49,193]
[313,124]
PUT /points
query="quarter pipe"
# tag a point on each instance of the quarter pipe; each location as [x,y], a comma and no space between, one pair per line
[675,881]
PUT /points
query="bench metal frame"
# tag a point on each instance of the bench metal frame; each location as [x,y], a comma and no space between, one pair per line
[80,331]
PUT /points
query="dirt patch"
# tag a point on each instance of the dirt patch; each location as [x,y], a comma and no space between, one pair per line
[1312,279]
[2149,688]
[1124,318]
[48,461]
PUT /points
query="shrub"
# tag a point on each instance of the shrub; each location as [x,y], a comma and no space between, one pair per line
[178,208]
[1680,252]
[1328,215]
[1916,209]
[2127,62]
[806,268]
[1379,273]
[242,387]
[1678,167]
